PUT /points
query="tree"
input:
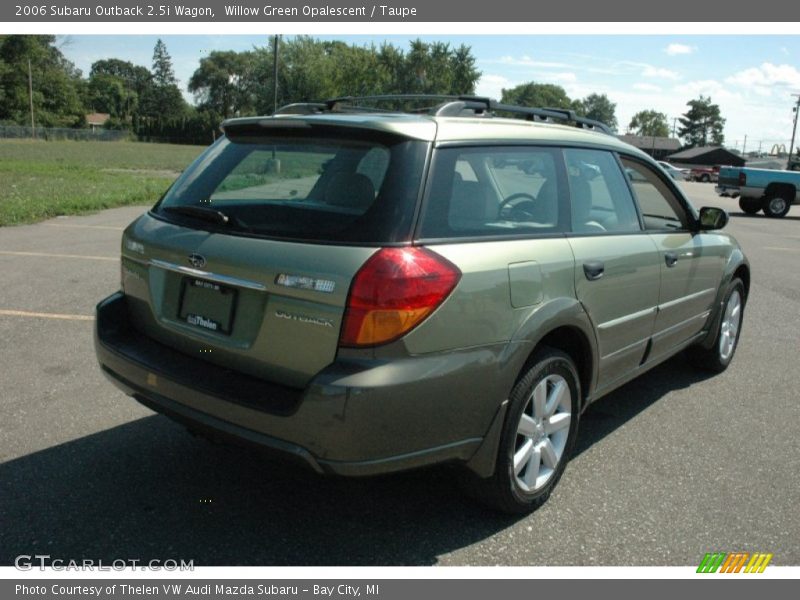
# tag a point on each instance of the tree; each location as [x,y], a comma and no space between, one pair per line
[310,70]
[537,95]
[57,84]
[163,73]
[649,123]
[702,124]
[222,83]
[465,75]
[137,79]
[599,108]
[163,100]
[109,94]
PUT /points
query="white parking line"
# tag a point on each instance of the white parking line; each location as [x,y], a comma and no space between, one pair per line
[73,226]
[49,255]
[781,248]
[41,315]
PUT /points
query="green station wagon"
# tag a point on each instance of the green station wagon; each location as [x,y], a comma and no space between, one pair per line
[372,290]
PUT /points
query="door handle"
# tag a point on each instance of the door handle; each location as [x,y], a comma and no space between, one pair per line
[594,270]
[671,258]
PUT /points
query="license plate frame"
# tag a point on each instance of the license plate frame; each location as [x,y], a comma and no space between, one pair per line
[207,305]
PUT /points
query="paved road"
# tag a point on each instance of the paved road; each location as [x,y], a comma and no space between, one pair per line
[669,467]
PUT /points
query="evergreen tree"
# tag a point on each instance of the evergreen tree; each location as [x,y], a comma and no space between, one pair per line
[702,124]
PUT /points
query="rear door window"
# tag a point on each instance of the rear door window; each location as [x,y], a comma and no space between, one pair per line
[600,198]
[494,191]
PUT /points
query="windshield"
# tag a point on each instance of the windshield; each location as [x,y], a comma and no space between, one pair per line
[303,187]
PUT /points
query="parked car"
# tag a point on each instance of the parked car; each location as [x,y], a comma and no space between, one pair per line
[368,292]
[704,174]
[766,190]
[674,172]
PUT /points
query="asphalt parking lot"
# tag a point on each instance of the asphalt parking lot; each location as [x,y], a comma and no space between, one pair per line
[672,466]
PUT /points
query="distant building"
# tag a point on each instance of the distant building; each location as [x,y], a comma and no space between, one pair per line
[97,120]
[707,156]
[655,146]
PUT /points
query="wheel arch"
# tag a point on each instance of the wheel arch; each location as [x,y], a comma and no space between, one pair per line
[573,342]
[737,266]
[561,324]
[564,325]
[782,189]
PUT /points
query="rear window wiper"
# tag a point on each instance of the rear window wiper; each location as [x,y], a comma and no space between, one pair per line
[199,212]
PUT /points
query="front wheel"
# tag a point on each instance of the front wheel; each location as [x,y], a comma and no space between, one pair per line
[538,435]
[750,205]
[720,354]
[705,178]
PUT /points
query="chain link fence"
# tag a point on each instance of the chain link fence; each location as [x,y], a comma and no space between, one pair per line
[63,133]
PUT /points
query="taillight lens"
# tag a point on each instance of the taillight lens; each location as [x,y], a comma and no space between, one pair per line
[395,290]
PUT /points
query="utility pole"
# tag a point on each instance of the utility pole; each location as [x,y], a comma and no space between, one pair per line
[744,145]
[275,74]
[275,163]
[674,125]
[30,98]
[794,130]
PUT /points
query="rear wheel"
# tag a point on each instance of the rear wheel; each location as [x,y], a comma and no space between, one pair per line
[705,178]
[719,355]
[538,435]
[750,205]
[776,206]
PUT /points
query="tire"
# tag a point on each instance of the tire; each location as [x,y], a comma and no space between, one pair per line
[726,338]
[705,178]
[538,435]
[750,205]
[776,206]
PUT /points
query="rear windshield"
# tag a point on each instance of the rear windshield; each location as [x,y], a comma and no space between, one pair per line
[333,188]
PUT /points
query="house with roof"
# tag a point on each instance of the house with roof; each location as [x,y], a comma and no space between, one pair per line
[707,156]
[97,120]
[656,146]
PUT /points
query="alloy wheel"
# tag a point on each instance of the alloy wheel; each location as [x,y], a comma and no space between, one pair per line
[729,328]
[542,433]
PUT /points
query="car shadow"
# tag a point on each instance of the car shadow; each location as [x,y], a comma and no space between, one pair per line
[761,216]
[148,490]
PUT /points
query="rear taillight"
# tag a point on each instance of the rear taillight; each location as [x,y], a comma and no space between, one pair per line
[742,178]
[395,290]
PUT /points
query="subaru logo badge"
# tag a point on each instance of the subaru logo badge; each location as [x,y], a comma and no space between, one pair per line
[198,261]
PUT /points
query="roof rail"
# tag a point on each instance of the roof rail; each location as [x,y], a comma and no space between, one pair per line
[445,106]
[301,108]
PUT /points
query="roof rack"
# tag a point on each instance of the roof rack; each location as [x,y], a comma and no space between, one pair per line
[445,106]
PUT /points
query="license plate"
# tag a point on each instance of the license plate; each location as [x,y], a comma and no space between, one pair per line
[207,305]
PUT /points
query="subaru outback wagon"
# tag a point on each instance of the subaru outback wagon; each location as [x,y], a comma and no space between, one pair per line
[373,290]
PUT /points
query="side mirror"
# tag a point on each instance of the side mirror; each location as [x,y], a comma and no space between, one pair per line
[712,218]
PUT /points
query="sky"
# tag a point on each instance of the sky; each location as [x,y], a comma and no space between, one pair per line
[751,78]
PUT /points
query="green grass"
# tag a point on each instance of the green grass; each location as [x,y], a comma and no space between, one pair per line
[251,171]
[40,180]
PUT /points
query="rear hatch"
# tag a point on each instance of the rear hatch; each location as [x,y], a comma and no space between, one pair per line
[248,259]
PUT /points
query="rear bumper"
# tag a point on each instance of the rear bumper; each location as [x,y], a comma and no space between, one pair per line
[723,189]
[356,417]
